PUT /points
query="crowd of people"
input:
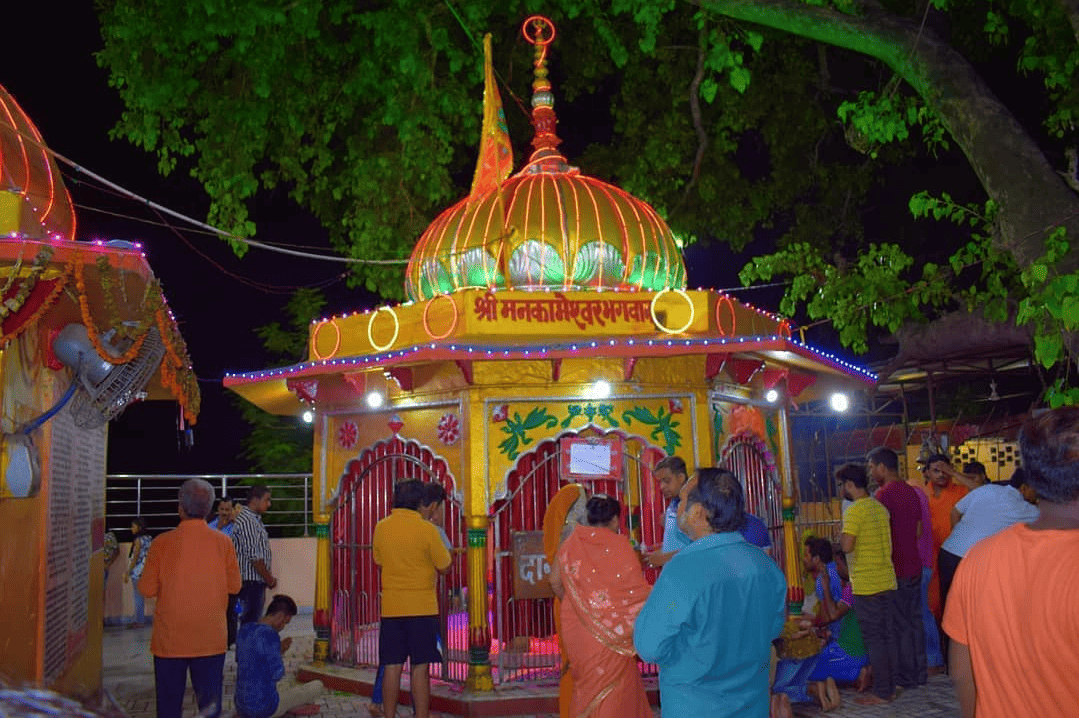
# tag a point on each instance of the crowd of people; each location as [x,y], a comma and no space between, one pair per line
[206,578]
[717,613]
[1004,571]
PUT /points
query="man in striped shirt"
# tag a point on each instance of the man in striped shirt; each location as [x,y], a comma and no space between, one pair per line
[253,552]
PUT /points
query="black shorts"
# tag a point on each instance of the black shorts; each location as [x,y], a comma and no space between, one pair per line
[412,637]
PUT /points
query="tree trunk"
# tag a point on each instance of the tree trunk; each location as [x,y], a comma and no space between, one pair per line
[1031,196]
[1071,9]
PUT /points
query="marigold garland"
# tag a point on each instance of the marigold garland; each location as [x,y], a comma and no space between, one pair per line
[26,285]
[61,283]
[175,369]
[91,328]
[176,373]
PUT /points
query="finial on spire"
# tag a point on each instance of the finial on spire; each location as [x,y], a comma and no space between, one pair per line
[540,31]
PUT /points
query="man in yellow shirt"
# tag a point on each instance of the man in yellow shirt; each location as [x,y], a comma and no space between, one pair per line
[867,542]
[411,553]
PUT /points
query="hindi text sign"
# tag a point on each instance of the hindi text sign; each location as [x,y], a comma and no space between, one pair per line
[531,569]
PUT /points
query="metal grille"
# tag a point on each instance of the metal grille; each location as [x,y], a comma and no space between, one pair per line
[525,647]
[365,497]
[755,467]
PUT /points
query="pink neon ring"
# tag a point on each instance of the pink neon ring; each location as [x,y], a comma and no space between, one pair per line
[314,339]
[427,325]
[726,300]
[538,39]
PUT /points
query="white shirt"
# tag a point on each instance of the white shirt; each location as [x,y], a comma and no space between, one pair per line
[986,511]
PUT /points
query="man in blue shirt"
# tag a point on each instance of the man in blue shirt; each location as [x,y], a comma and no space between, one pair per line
[713,613]
[755,532]
[223,521]
[259,665]
[670,473]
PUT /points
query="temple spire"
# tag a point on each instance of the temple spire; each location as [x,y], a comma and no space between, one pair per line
[540,31]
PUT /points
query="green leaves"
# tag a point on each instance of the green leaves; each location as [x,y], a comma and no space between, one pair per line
[879,119]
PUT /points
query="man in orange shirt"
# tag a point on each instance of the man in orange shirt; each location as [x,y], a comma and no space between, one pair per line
[191,571]
[943,495]
[1011,607]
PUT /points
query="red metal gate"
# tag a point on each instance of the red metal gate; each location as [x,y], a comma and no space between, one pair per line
[365,496]
[749,459]
[525,648]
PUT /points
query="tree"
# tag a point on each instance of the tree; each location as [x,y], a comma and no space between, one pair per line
[369,118]
[282,444]
[279,444]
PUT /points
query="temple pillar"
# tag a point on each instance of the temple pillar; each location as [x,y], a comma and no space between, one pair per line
[322,591]
[795,592]
[323,552]
[479,629]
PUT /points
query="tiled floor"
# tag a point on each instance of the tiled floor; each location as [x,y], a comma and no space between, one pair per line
[129,681]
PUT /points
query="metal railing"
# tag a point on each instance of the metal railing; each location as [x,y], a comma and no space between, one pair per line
[154,497]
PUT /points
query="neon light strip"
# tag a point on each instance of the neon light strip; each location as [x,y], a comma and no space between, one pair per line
[587,348]
[25,184]
[525,227]
[577,242]
[490,273]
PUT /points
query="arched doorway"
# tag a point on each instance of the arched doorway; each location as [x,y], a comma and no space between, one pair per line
[749,458]
[365,496]
[525,649]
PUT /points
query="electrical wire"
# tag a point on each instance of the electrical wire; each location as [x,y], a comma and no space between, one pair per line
[190,220]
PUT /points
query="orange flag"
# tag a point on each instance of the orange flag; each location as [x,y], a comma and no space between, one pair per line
[495,161]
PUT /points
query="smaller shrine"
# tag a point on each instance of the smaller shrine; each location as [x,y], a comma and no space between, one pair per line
[85,330]
[549,338]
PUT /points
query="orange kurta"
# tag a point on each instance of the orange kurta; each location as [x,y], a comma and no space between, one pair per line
[940,514]
[191,571]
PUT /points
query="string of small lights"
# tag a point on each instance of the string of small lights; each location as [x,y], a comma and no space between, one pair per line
[469,351]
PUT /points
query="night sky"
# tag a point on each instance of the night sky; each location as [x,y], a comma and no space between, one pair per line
[51,72]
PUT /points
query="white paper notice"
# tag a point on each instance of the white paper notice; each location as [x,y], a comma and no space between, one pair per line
[588,459]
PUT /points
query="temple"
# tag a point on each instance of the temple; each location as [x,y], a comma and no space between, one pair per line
[548,338]
[84,330]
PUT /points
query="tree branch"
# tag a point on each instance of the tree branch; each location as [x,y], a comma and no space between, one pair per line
[1032,197]
[1072,176]
[695,110]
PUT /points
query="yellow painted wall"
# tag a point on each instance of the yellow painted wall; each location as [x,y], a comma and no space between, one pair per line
[22,541]
[27,573]
[479,316]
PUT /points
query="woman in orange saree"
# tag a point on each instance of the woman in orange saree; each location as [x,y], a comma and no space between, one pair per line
[598,576]
[565,511]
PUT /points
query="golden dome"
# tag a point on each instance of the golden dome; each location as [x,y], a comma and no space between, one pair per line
[548,227]
[563,231]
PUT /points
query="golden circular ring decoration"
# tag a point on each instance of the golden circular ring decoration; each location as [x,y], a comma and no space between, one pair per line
[314,339]
[661,326]
[396,328]
[427,324]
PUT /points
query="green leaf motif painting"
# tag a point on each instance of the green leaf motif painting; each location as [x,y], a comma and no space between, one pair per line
[517,429]
[664,431]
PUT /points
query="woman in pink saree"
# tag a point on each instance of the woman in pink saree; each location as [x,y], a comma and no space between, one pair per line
[598,575]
